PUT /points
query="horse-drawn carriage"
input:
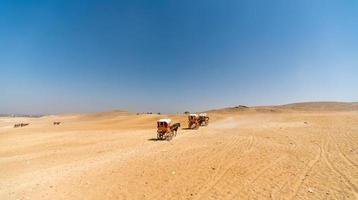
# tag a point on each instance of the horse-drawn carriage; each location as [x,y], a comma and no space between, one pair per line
[203,119]
[166,130]
[193,121]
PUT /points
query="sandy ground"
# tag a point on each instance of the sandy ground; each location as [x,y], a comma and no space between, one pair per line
[256,153]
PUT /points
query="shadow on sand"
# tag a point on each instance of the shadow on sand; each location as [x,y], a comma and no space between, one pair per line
[156,139]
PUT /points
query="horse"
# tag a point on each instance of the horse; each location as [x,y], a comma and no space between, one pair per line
[175,128]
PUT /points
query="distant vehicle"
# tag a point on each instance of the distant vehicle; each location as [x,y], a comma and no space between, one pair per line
[203,119]
[166,131]
[193,121]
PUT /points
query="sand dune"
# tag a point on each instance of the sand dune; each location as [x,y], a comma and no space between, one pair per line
[322,106]
[296,151]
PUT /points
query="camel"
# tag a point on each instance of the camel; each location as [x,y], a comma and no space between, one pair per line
[20,125]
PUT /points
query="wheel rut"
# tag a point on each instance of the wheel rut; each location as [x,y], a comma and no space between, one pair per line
[329,163]
[224,172]
[341,154]
[302,177]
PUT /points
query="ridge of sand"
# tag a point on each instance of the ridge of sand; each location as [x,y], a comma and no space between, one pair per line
[304,107]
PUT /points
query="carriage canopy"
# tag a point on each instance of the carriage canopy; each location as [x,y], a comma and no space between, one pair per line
[168,121]
[193,115]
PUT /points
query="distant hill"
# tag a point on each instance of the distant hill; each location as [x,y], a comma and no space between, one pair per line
[104,115]
[321,106]
[19,115]
[301,107]
[304,106]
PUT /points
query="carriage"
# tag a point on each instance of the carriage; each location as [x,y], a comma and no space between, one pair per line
[203,119]
[166,130]
[193,121]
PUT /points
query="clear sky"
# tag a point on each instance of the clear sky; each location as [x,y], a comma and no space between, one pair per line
[171,56]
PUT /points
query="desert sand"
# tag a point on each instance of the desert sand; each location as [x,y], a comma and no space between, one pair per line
[297,151]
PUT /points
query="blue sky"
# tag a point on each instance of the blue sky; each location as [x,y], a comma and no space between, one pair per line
[171,56]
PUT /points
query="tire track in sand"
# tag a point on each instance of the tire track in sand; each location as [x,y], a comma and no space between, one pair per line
[219,155]
[341,154]
[258,175]
[220,175]
[228,184]
[307,169]
[275,193]
[329,163]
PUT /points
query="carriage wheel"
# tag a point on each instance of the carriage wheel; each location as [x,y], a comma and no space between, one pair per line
[197,126]
[192,126]
[159,136]
[169,136]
